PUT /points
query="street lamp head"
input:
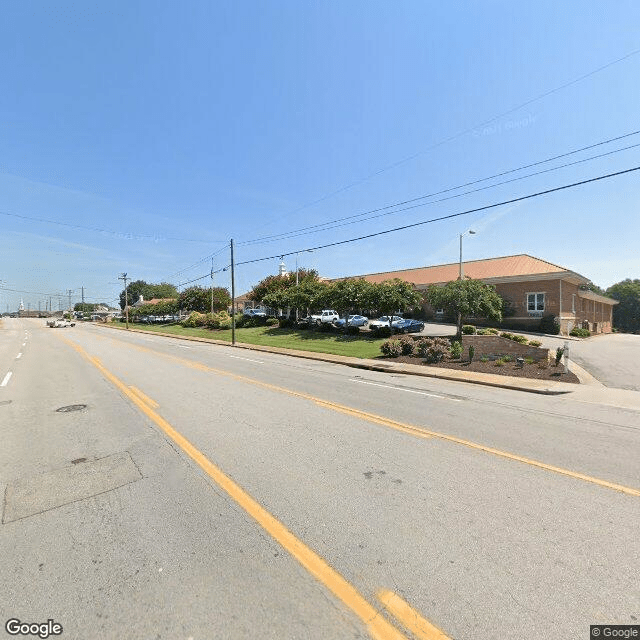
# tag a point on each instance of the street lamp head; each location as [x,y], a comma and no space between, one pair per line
[473,233]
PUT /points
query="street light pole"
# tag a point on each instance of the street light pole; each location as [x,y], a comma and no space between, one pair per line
[460,276]
[461,235]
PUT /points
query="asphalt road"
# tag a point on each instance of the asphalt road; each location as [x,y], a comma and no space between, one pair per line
[211,492]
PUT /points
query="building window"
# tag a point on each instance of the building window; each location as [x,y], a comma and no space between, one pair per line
[535,302]
[440,312]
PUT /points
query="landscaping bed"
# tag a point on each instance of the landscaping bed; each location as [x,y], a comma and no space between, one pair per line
[551,373]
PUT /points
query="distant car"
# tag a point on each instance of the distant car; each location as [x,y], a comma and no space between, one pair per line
[56,324]
[255,313]
[354,321]
[409,326]
[383,321]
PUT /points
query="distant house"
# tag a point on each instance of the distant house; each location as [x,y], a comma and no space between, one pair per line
[534,287]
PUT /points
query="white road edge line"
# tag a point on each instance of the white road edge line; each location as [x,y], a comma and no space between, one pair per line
[420,393]
[24,344]
[6,379]
[247,359]
[19,356]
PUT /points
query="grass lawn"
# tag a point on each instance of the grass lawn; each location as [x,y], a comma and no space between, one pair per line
[360,346]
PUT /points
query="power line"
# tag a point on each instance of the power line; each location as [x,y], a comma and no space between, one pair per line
[195,264]
[206,275]
[119,234]
[461,133]
[452,215]
[415,206]
[367,215]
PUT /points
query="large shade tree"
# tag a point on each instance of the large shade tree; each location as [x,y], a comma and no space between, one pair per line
[279,283]
[393,296]
[200,299]
[148,291]
[626,314]
[466,298]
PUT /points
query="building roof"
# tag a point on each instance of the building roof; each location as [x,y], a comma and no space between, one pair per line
[592,295]
[489,268]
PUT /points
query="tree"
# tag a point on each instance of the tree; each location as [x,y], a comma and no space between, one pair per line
[279,283]
[464,298]
[349,295]
[148,291]
[309,294]
[626,314]
[393,295]
[85,307]
[199,299]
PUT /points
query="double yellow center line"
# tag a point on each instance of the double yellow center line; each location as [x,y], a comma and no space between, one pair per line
[378,626]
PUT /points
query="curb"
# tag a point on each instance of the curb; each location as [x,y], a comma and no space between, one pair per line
[485,379]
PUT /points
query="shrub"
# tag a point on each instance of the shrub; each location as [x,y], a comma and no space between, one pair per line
[472,351]
[520,339]
[353,331]
[382,332]
[579,332]
[549,324]
[195,319]
[271,322]
[487,331]
[422,346]
[499,362]
[456,349]
[507,358]
[325,327]
[559,354]
[391,348]
[482,358]
[535,343]
[507,335]
[220,320]
[408,345]
[285,323]
[433,349]
[529,360]
[468,329]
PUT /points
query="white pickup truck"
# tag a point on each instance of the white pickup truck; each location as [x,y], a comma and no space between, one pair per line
[56,323]
[327,316]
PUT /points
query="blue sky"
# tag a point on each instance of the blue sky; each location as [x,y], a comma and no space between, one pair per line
[168,128]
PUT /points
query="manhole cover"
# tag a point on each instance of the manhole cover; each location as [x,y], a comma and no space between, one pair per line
[71,407]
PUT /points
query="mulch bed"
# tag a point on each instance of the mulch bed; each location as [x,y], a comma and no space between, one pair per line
[554,374]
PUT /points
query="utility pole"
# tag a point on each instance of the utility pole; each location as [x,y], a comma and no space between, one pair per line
[69,292]
[83,298]
[211,285]
[126,297]
[233,300]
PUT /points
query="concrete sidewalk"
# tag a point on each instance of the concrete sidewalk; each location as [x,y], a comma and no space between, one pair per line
[529,385]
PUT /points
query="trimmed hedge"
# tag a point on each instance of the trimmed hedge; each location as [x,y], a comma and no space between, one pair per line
[578,332]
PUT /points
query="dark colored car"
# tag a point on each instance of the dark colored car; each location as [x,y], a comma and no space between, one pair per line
[409,326]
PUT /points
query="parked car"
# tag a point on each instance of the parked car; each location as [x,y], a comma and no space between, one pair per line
[383,321]
[409,326]
[328,316]
[354,321]
[255,313]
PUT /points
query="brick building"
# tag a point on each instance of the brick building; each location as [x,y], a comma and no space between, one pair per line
[534,287]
